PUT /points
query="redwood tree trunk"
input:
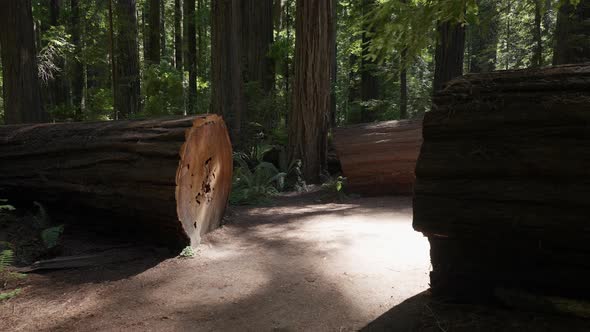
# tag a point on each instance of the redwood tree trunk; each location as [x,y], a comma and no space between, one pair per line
[178,34]
[309,118]
[77,78]
[153,53]
[257,37]
[450,50]
[170,177]
[227,97]
[127,84]
[190,54]
[484,39]
[572,36]
[537,60]
[369,79]
[19,63]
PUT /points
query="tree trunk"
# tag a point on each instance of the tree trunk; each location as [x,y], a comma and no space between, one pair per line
[572,35]
[153,53]
[379,158]
[369,79]
[484,39]
[190,54]
[227,96]
[178,34]
[19,63]
[56,85]
[256,39]
[257,66]
[77,80]
[333,64]
[309,118]
[450,49]
[163,49]
[127,94]
[403,86]
[537,59]
[127,172]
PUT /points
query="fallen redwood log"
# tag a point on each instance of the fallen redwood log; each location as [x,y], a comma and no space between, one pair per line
[502,187]
[169,176]
[379,158]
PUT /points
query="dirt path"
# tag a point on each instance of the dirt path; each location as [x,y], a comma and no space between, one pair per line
[299,265]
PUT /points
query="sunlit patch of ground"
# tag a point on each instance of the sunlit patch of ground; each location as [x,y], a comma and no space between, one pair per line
[299,265]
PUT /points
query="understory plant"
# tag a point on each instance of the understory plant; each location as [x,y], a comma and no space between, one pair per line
[6,260]
[255,184]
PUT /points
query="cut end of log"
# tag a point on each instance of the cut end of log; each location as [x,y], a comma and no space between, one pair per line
[204,177]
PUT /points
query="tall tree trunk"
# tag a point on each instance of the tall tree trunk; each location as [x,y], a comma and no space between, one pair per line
[257,66]
[163,48]
[201,37]
[484,38]
[227,96]
[537,59]
[333,64]
[288,67]
[403,86]
[77,78]
[450,49]
[309,119]
[127,87]
[19,63]
[153,52]
[190,54]
[572,36]
[257,37]
[178,34]
[57,85]
[369,80]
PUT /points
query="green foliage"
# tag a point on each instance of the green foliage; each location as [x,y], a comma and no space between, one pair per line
[162,88]
[187,252]
[9,295]
[255,184]
[6,259]
[51,236]
[335,188]
[51,56]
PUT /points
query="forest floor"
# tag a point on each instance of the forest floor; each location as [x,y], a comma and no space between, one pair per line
[300,264]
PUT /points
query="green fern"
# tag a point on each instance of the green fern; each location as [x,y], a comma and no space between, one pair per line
[256,185]
[51,236]
[6,259]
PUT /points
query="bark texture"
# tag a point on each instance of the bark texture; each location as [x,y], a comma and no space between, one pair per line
[153,52]
[450,49]
[227,95]
[19,63]
[77,80]
[178,34]
[190,54]
[170,178]
[309,118]
[502,182]
[572,36]
[379,158]
[127,83]
[257,37]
